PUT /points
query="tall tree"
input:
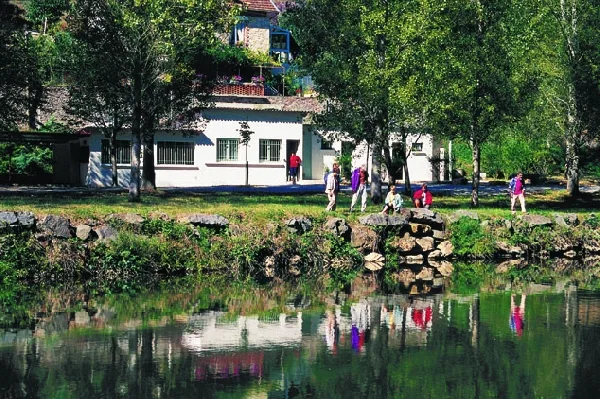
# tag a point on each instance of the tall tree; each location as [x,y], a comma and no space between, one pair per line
[159,39]
[474,72]
[570,40]
[362,56]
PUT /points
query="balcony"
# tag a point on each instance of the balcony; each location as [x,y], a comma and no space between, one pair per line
[240,89]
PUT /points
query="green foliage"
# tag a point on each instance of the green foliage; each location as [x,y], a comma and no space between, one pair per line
[468,278]
[470,239]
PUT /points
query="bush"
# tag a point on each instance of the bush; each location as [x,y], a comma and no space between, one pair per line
[470,239]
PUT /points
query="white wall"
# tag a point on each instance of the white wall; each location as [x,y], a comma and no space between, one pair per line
[206,171]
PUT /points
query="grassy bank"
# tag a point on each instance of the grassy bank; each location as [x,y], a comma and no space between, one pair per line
[261,208]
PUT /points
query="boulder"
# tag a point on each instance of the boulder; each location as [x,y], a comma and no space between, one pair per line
[439,234]
[26,219]
[294,265]
[405,245]
[591,245]
[426,243]
[426,274]
[106,233]
[374,261]
[420,229]
[427,217]
[443,267]
[560,220]
[570,254]
[128,218]
[405,276]
[83,232]
[8,219]
[204,220]
[364,239]
[299,225]
[378,219]
[435,254]
[58,226]
[446,248]
[506,266]
[338,227]
[414,259]
[536,220]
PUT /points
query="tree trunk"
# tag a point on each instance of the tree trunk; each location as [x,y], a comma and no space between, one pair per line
[476,170]
[376,175]
[407,187]
[572,166]
[136,128]
[113,158]
[148,169]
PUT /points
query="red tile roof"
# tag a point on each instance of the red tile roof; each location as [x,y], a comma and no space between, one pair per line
[260,5]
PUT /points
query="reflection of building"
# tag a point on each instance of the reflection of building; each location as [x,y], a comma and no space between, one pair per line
[209,331]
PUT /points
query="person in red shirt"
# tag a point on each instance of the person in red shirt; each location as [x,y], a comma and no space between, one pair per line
[423,198]
[295,162]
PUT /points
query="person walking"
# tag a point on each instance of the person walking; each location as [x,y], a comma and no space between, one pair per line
[332,187]
[516,186]
[360,177]
[295,162]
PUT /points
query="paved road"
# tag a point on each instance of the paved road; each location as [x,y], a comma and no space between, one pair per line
[306,186]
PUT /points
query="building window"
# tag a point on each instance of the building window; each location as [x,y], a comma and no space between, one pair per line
[238,34]
[123,152]
[417,147]
[279,41]
[269,150]
[227,149]
[175,153]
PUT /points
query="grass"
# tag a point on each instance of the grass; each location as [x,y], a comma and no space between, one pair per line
[261,208]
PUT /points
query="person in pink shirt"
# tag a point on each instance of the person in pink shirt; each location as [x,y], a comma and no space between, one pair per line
[517,190]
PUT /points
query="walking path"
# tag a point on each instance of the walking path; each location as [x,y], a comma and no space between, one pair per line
[303,187]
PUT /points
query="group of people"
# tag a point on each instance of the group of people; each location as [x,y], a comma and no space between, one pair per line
[422,198]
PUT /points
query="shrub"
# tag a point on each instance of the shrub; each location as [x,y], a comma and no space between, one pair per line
[470,239]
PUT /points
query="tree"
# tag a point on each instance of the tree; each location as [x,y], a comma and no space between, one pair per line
[159,39]
[363,57]
[42,12]
[245,136]
[473,72]
[568,32]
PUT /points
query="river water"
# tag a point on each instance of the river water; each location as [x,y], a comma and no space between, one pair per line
[544,343]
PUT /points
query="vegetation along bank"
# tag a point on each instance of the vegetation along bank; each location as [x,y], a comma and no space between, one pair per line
[412,250]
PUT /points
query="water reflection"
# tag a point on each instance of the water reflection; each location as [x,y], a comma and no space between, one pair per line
[378,346]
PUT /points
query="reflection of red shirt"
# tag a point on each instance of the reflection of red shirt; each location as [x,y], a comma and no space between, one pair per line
[295,161]
[421,318]
[516,321]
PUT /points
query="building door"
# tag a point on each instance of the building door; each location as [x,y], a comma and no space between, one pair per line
[290,147]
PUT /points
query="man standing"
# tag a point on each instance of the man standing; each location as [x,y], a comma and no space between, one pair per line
[517,190]
[423,198]
[295,162]
[360,178]
[331,188]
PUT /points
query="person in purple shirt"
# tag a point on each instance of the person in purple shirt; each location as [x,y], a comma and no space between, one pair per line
[517,190]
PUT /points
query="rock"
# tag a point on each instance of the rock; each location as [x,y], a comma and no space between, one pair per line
[374,261]
[445,268]
[405,276]
[58,226]
[426,243]
[505,266]
[591,245]
[405,245]
[507,249]
[8,219]
[128,218]
[426,274]
[269,270]
[560,220]
[294,265]
[338,227]
[106,233]
[454,217]
[299,225]
[438,282]
[204,220]
[572,219]
[414,290]
[414,259]
[570,254]
[26,219]
[435,254]
[378,219]
[83,232]
[439,234]
[446,248]
[364,239]
[427,217]
[536,220]
[420,229]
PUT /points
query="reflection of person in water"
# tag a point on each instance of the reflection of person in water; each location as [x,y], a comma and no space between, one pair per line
[517,315]
[422,317]
[361,316]
[330,332]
